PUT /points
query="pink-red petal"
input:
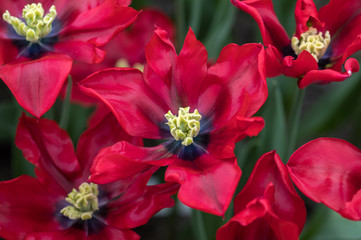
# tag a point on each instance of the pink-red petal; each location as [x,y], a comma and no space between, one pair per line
[26,206]
[329,75]
[137,109]
[286,203]
[328,170]
[139,210]
[49,148]
[123,160]
[271,29]
[37,83]
[207,183]
[241,73]
[190,71]
[306,13]
[105,132]
[100,24]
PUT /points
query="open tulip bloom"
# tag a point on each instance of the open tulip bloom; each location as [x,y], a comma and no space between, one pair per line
[39,42]
[268,207]
[60,203]
[327,170]
[322,42]
[198,111]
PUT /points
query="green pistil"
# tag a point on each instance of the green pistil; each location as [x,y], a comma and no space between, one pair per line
[36,25]
[83,202]
[312,42]
[185,126]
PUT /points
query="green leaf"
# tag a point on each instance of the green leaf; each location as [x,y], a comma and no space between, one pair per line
[337,227]
[8,121]
[274,135]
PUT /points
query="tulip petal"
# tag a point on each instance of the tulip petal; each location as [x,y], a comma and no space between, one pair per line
[37,83]
[207,183]
[328,170]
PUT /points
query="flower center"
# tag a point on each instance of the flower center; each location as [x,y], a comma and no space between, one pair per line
[312,42]
[185,126]
[36,25]
[84,202]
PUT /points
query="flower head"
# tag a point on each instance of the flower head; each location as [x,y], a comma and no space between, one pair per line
[214,105]
[321,45]
[61,201]
[42,40]
[268,207]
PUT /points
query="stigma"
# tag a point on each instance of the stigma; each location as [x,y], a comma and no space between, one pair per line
[83,202]
[36,25]
[185,126]
[311,41]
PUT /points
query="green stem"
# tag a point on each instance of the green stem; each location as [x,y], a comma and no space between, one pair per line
[64,118]
[294,120]
[200,226]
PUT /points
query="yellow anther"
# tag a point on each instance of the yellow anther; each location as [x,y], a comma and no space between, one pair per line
[185,126]
[123,63]
[312,42]
[36,25]
[83,202]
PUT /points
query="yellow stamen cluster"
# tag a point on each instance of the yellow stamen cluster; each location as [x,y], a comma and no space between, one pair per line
[36,25]
[312,42]
[123,63]
[83,202]
[185,126]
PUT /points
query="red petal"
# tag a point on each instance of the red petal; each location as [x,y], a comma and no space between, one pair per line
[160,53]
[345,48]
[328,170]
[123,160]
[48,147]
[100,24]
[240,71]
[138,211]
[36,84]
[190,70]
[207,183]
[286,203]
[26,206]
[8,51]
[105,132]
[300,66]
[329,75]
[134,105]
[258,221]
[222,141]
[67,234]
[80,51]
[130,44]
[273,59]
[268,206]
[337,13]
[305,14]
[271,29]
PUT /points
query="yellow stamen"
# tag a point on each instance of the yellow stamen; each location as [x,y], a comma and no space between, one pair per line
[185,126]
[123,63]
[36,25]
[312,42]
[83,202]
